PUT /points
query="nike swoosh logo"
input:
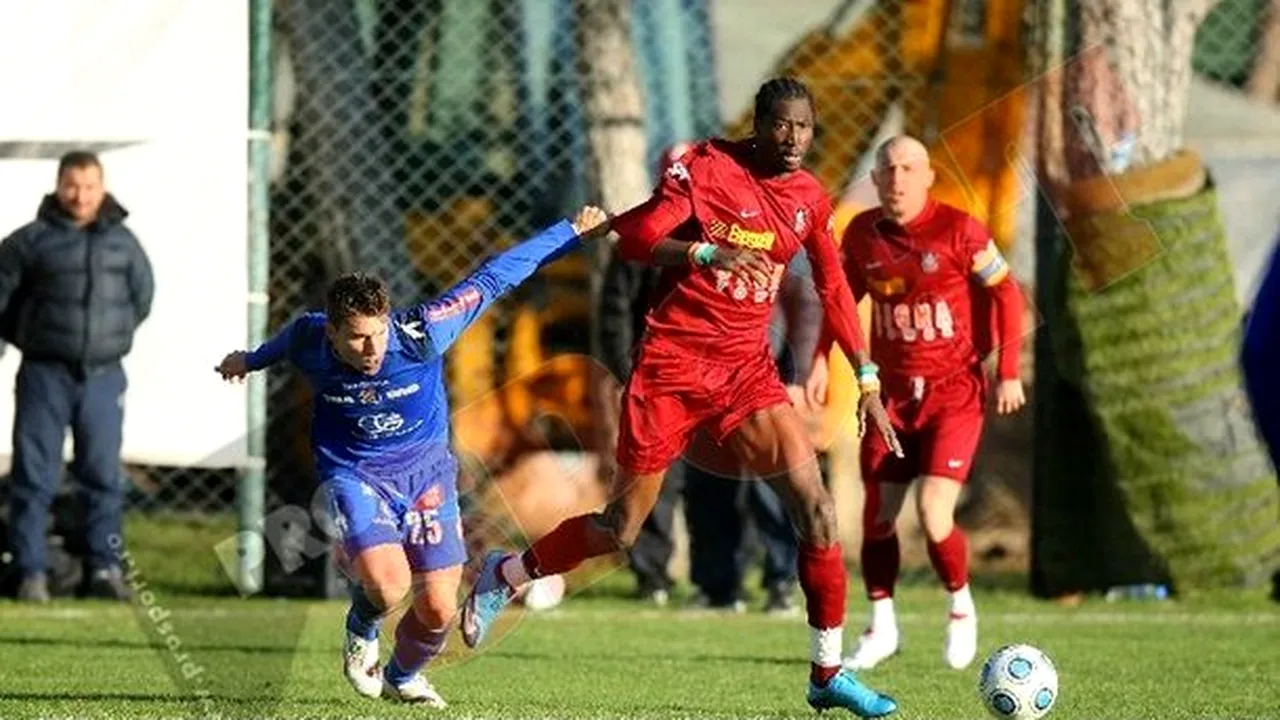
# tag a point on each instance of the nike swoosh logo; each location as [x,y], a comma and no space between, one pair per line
[469,623]
[748,214]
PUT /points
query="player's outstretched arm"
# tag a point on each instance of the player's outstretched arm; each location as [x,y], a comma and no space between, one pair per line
[445,318]
[239,363]
[644,229]
[643,238]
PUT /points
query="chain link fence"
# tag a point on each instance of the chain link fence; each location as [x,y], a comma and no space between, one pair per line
[412,138]
[1229,41]
[416,138]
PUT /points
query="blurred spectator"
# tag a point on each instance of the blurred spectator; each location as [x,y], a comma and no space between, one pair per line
[74,286]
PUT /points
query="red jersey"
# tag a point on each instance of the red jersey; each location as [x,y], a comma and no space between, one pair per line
[712,195]
[926,279]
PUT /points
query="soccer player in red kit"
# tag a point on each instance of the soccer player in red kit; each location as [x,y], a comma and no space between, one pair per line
[725,221]
[939,284]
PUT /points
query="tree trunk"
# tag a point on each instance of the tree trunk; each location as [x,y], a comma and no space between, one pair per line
[614,112]
[1160,477]
[1264,81]
[1127,91]
[616,132]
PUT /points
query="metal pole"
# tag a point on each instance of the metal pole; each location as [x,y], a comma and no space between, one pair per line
[251,488]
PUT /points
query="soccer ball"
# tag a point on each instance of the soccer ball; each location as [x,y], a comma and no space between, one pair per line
[1018,682]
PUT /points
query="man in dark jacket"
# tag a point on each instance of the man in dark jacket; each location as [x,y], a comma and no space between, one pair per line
[74,286]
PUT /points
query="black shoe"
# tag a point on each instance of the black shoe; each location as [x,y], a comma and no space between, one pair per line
[107,584]
[781,600]
[34,588]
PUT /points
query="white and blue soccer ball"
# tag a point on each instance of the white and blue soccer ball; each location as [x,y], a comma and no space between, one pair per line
[1018,682]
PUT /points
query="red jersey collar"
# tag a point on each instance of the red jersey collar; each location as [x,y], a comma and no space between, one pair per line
[926,214]
[890,228]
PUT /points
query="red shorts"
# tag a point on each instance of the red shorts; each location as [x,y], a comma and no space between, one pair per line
[672,394]
[939,426]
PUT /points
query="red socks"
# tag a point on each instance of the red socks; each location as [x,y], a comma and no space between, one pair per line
[950,560]
[881,559]
[572,542]
[824,582]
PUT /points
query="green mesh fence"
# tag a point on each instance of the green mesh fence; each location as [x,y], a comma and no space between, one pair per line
[1228,40]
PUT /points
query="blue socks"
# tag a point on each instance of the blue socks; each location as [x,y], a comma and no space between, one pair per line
[364,618]
[416,645]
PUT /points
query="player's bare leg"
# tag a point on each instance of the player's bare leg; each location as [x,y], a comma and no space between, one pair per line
[936,500]
[572,542]
[421,635]
[775,444]
[382,572]
[881,558]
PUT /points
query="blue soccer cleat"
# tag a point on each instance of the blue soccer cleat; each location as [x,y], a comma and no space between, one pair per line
[486,600]
[846,691]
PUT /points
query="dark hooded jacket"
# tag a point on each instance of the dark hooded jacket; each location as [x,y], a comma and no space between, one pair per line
[70,294]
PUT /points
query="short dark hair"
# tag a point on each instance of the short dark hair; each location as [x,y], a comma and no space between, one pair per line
[775,91]
[355,294]
[78,159]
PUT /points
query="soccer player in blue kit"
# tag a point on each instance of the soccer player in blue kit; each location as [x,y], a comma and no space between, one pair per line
[380,433]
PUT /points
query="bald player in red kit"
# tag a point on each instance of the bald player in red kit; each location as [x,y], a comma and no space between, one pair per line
[939,285]
[724,222]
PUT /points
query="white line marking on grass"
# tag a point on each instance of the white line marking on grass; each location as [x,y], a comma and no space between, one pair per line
[1155,617]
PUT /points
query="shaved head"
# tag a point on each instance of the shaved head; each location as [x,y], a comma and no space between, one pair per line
[900,148]
[902,176]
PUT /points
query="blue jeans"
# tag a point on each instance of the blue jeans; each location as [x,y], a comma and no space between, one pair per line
[50,397]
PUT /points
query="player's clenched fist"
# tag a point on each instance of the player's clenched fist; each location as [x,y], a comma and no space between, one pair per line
[752,266]
[591,221]
[233,367]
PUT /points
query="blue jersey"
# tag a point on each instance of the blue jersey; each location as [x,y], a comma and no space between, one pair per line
[1260,357]
[396,423]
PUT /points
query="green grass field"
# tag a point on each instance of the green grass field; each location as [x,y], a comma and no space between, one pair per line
[601,655]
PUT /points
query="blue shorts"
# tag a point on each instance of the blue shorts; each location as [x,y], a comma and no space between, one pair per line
[418,513]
